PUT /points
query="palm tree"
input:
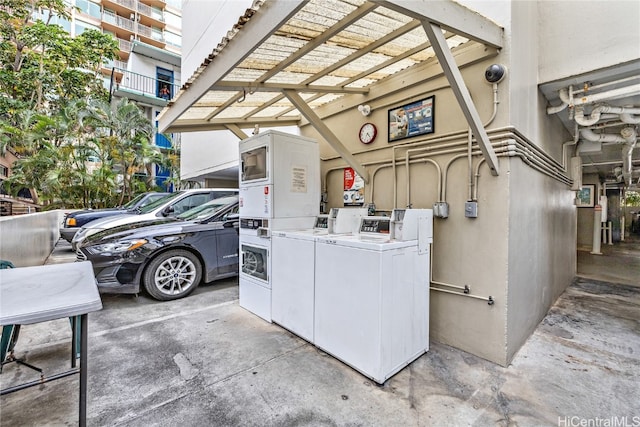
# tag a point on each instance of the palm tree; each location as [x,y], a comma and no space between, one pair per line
[127,142]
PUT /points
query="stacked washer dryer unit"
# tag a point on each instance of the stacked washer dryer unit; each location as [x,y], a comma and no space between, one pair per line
[279,187]
[294,266]
[372,293]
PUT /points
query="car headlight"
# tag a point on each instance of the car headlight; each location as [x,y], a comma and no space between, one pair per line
[116,247]
[71,222]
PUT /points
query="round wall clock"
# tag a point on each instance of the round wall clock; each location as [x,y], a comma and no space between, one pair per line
[368,133]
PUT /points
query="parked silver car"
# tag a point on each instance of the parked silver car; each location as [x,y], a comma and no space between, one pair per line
[172,205]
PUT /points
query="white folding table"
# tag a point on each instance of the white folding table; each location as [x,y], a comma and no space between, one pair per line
[39,294]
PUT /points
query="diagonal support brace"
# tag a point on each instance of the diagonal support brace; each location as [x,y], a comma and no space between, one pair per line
[452,72]
[326,133]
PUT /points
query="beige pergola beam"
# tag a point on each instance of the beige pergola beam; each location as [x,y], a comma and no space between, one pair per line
[436,15]
[237,131]
[263,25]
[452,17]
[326,133]
[250,87]
[459,88]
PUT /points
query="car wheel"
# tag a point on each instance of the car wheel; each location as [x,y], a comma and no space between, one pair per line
[172,275]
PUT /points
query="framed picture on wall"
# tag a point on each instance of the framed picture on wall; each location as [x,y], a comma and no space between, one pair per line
[414,119]
[586,196]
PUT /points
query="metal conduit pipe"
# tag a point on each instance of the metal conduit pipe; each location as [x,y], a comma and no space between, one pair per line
[523,139]
[564,97]
[433,162]
[469,164]
[541,162]
[466,290]
[442,181]
[442,188]
[498,146]
[596,114]
[590,135]
[446,137]
[523,155]
[528,157]
[388,165]
[437,150]
[470,141]
[630,90]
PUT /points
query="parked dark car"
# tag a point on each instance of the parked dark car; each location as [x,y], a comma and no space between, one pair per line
[73,221]
[168,257]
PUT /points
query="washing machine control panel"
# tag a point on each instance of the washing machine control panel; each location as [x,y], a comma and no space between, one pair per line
[253,223]
[322,222]
[375,225]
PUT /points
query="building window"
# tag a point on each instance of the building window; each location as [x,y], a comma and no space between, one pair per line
[175,3]
[89,8]
[81,27]
[173,39]
[172,20]
[156,33]
[165,83]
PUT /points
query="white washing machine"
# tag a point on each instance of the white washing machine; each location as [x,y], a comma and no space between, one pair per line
[372,296]
[256,249]
[294,263]
[255,267]
[279,176]
[279,190]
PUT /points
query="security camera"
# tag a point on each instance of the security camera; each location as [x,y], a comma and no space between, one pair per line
[495,73]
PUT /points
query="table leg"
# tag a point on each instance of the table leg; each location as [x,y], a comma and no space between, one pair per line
[84,335]
[74,339]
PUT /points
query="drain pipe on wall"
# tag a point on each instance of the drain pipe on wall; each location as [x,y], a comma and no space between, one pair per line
[628,137]
[466,289]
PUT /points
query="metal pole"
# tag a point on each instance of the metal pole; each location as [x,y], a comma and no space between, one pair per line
[84,320]
[597,219]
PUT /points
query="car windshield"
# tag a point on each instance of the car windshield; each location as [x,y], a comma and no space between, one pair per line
[133,201]
[208,209]
[153,205]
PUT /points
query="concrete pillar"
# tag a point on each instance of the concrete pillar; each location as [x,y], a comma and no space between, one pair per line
[597,220]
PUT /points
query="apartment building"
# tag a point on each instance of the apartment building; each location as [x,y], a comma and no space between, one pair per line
[149,35]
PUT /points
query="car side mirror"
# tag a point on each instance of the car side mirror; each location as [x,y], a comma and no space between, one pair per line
[231,220]
[168,211]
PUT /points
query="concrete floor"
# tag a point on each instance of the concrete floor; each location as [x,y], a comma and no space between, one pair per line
[204,360]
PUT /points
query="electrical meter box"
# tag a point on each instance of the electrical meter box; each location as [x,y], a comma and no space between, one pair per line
[279,176]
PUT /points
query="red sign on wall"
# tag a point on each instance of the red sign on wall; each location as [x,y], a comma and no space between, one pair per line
[353,188]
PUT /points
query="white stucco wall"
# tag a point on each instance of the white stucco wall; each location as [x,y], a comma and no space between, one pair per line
[207,23]
[207,152]
[147,67]
[583,36]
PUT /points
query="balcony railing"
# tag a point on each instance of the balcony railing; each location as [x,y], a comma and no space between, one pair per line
[118,21]
[144,30]
[124,46]
[150,12]
[115,64]
[145,85]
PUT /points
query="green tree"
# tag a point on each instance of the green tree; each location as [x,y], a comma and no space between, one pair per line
[124,133]
[73,147]
[631,198]
[43,66]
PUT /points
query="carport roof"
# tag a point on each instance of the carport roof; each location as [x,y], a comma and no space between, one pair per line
[284,60]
